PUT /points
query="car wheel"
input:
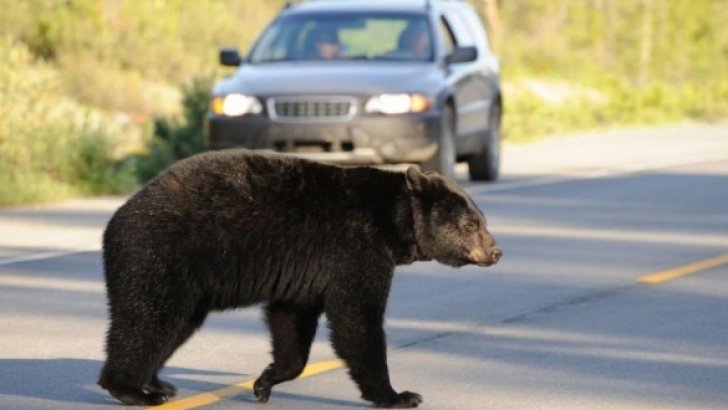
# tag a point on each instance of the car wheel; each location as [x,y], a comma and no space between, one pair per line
[443,161]
[485,165]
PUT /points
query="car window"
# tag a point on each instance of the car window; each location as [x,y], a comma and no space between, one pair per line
[459,28]
[346,36]
[476,28]
[449,42]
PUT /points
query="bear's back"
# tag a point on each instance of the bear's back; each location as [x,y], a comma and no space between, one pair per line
[233,178]
[218,195]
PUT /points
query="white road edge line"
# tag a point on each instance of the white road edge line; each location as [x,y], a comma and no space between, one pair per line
[45,255]
[49,283]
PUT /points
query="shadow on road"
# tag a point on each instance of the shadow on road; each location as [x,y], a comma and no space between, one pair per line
[74,380]
[290,400]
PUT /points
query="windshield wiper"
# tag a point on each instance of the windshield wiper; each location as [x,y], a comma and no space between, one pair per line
[273,60]
[382,57]
[359,57]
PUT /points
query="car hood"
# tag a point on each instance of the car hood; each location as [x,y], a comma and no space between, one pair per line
[355,78]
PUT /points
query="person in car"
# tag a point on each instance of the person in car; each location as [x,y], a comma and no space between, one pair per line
[415,41]
[323,43]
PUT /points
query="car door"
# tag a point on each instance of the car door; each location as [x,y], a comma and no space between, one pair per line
[472,89]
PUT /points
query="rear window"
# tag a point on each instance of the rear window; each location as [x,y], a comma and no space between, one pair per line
[346,36]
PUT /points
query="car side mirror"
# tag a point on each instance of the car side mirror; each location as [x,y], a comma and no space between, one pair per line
[230,57]
[462,55]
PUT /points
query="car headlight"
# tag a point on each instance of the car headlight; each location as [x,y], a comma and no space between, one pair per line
[234,105]
[398,103]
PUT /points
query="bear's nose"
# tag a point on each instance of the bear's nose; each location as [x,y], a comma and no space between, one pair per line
[495,255]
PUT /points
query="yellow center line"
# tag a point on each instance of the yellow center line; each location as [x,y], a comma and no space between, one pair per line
[204,399]
[674,273]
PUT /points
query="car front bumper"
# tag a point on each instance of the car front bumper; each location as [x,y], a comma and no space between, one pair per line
[365,139]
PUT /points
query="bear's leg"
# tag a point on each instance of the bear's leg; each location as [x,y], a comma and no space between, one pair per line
[156,385]
[132,350]
[137,346]
[292,329]
[357,336]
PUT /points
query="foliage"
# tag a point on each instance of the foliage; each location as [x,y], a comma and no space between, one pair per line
[132,55]
[50,146]
[82,79]
[173,140]
[651,61]
[614,102]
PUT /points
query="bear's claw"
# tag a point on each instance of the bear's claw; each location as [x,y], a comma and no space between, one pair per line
[138,397]
[261,391]
[406,399]
[160,386]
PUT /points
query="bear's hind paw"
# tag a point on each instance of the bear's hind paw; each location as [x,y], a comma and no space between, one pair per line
[403,400]
[138,397]
[261,391]
[160,386]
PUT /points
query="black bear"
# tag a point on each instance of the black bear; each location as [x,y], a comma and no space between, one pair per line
[232,228]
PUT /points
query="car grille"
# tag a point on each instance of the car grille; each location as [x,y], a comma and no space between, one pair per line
[311,109]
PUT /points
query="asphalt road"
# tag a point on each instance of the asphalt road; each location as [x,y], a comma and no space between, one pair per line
[560,323]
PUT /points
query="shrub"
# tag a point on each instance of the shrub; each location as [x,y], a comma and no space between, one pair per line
[50,146]
[173,139]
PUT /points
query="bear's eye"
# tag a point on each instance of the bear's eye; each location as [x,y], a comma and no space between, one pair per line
[471,225]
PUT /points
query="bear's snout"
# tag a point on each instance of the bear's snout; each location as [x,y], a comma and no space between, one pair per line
[485,257]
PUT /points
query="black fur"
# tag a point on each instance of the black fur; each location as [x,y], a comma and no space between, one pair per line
[232,228]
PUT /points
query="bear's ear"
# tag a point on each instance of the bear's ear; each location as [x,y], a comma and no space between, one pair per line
[415,179]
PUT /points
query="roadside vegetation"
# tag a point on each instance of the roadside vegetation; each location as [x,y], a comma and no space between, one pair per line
[99,96]
[573,64]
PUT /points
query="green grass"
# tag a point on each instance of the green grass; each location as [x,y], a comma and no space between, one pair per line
[529,117]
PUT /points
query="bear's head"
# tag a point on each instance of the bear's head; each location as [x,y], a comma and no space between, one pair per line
[448,226]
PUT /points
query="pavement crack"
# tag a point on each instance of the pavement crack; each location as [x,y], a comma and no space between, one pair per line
[523,317]
[430,338]
[559,306]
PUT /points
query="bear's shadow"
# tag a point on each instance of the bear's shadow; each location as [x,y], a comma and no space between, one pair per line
[74,381]
[292,398]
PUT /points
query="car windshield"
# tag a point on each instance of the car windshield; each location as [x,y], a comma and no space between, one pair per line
[346,36]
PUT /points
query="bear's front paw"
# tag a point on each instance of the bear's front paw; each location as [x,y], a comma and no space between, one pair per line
[261,391]
[137,397]
[160,386]
[406,399]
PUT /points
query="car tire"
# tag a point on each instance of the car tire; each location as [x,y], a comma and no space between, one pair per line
[485,165]
[443,161]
